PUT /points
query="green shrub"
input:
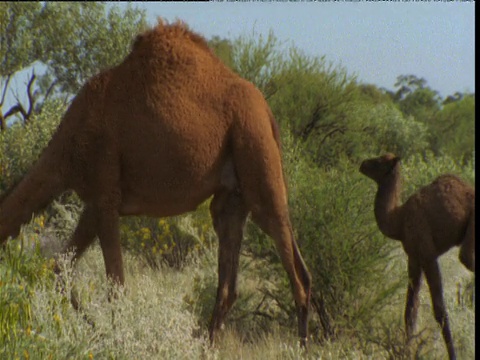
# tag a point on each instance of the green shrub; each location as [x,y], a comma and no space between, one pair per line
[169,241]
[20,146]
[22,269]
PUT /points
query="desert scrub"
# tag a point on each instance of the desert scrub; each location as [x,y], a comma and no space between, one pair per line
[22,268]
[168,241]
[21,145]
[340,242]
[148,319]
[254,313]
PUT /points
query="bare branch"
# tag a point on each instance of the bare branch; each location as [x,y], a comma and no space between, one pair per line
[50,89]
[15,109]
[5,89]
[330,134]
[19,108]
[31,98]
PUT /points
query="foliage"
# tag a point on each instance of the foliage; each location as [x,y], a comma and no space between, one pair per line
[386,129]
[21,270]
[72,41]
[17,46]
[453,129]
[327,111]
[329,123]
[91,39]
[21,146]
[149,321]
[168,241]
[342,247]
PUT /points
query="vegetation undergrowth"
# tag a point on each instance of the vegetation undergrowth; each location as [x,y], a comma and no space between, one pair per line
[329,123]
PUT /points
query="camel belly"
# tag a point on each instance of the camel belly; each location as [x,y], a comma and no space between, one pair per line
[164,185]
[167,199]
[172,163]
[160,208]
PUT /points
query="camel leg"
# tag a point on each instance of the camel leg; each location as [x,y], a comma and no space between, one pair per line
[109,198]
[258,164]
[82,238]
[228,213]
[434,280]
[109,236]
[467,248]
[279,228]
[411,307]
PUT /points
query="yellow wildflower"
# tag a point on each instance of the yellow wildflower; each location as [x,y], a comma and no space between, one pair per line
[56,317]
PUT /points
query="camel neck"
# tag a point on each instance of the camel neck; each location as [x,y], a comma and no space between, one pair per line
[387,206]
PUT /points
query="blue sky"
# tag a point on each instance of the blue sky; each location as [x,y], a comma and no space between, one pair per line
[377,41]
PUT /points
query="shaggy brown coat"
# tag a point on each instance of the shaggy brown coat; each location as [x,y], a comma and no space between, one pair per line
[157,135]
[436,218]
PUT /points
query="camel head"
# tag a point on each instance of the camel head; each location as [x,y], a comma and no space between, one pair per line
[379,168]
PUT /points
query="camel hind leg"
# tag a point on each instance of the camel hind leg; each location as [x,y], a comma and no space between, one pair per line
[467,247]
[277,226]
[258,165]
[434,280]
[228,213]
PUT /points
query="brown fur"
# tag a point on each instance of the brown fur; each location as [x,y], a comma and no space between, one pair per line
[436,218]
[157,135]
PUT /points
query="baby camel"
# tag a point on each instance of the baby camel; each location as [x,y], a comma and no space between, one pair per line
[433,220]
[157,135]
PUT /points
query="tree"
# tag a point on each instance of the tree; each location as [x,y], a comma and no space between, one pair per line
[73,41]
[415,98]
[454,127]
[223,48]
[17,51]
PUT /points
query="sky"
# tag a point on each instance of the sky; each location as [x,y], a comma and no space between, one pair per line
[376,41]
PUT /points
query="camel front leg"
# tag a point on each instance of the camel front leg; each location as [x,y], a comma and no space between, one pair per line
[434,280]
[109,236]
[229,214]
[411,307]
[82,238]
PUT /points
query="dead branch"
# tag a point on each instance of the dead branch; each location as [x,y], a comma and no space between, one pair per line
[49,90]
[31,98]
[18,108]
[5,90]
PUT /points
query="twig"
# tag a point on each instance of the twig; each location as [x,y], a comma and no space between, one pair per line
[5,90]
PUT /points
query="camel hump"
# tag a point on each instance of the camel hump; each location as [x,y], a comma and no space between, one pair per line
[173,33]
[453,187]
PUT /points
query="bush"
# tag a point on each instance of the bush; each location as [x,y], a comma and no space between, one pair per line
[20,146]
[168,241]
[21,271]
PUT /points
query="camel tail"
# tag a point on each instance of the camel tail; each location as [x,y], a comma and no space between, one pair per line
[31,194]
